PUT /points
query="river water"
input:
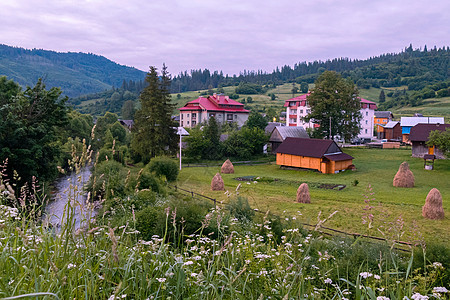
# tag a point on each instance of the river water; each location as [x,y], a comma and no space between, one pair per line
[69,198]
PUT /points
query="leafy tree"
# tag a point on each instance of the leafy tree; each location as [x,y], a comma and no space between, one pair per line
[270,114]
[128,110]
[245,143]
[335,99]
[256,120]
[29,123]
[249,100]
[440,139]
[273,97]
[153,131]
[304,87]
[294,89]
[382,97]
[211,133]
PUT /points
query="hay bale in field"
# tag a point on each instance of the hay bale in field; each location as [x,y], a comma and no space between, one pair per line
[227,167]
[303,194]
[404,176]
[433,205]
[217,183]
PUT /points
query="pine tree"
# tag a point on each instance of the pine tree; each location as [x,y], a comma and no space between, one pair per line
[153,131]
[382,97]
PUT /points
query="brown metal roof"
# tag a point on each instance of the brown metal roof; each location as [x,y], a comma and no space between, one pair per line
[420,132]
[308,147]
[338,157]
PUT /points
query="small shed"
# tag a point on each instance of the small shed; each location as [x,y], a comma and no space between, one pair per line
[391,131]
[419,137]
[322,155]
[280,133]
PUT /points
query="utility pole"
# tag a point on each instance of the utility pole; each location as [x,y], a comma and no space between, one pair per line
[330,129]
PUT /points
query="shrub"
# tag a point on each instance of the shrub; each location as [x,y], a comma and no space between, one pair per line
[148,222]
[164,166]
[240,208]
[107,179]
[149,181]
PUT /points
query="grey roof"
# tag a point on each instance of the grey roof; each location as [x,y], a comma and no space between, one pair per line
[391,124]
[292,131]
[271,125]
[383,114]
[412,121]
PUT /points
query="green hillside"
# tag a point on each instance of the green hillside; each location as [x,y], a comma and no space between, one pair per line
[75,73]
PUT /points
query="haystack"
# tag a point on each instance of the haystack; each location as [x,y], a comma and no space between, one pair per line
[404,176]
[433,206]
[227,167]
[217,183]
[303,194]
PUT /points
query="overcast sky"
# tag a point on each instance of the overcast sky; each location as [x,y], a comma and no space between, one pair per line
[230,35]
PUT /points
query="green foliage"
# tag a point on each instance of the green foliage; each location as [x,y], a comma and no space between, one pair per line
[304,87]
[153,132]
[440,139]
[164,166]
[382,97]
[256,120]
[148,181]
[128,110]
[240,209]
[204,144]
[249,88]
[336,99]
[30,123]
[245,143]
[107,180]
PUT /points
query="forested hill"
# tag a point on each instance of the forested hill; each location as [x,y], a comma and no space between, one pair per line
[415,68]
[75,73]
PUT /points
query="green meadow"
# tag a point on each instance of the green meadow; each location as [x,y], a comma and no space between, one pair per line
[275,190]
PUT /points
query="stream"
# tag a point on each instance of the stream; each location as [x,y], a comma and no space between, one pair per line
[69,193]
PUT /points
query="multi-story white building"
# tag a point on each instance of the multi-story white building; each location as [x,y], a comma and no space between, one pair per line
[297,108]
[221,107]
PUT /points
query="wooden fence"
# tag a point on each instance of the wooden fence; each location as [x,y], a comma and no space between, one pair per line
[322,229]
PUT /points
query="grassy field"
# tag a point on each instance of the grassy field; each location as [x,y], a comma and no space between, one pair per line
[375,168]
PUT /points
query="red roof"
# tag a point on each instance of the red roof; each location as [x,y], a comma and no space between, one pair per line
[214,103]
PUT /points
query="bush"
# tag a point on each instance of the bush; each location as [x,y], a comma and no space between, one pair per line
[148,222]
[164,166]
[148,181]
[108,179]
[240,208]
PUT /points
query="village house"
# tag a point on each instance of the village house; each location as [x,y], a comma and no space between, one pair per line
[389,131]
[409,122]
[280,133]
[382,117]
[324,156]
[221,107]
[297,109]
[419,137]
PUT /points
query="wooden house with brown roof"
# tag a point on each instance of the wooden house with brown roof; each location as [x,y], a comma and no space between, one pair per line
[419,136]
[324,156]
[280,133]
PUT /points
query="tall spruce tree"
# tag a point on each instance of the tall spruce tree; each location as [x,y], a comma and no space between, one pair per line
[153,131]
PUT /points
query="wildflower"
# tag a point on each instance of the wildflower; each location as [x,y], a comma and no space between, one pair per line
[161,279]
[437,265]
[328,280]
[194,274]
[365,274]
[382,298]
[220,272]
[189,262]
[418,296]
[263,272]
[70,266]
[440,289]
[198,257]
[377,277]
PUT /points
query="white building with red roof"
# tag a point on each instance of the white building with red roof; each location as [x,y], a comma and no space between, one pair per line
[297,108]
[221,107]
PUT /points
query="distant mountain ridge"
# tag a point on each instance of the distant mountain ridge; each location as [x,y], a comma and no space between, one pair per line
[75,73]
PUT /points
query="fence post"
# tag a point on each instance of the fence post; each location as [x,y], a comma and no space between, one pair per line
[192,194]
[214,202]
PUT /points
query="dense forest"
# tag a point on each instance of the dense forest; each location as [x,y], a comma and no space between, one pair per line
[74,73]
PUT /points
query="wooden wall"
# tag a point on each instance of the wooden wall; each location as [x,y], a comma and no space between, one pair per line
[306,162]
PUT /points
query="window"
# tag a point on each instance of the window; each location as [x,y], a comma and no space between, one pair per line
[193,123]
[301,111]
[194,115]
[187,115]
[182,118]
[291,103]
[212,115]
[188,123]
[293,111]
[181,123]
[308,111]
[229,117]
[367,113]
[235,117]
[366,130]
[366,122]
[292,120]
